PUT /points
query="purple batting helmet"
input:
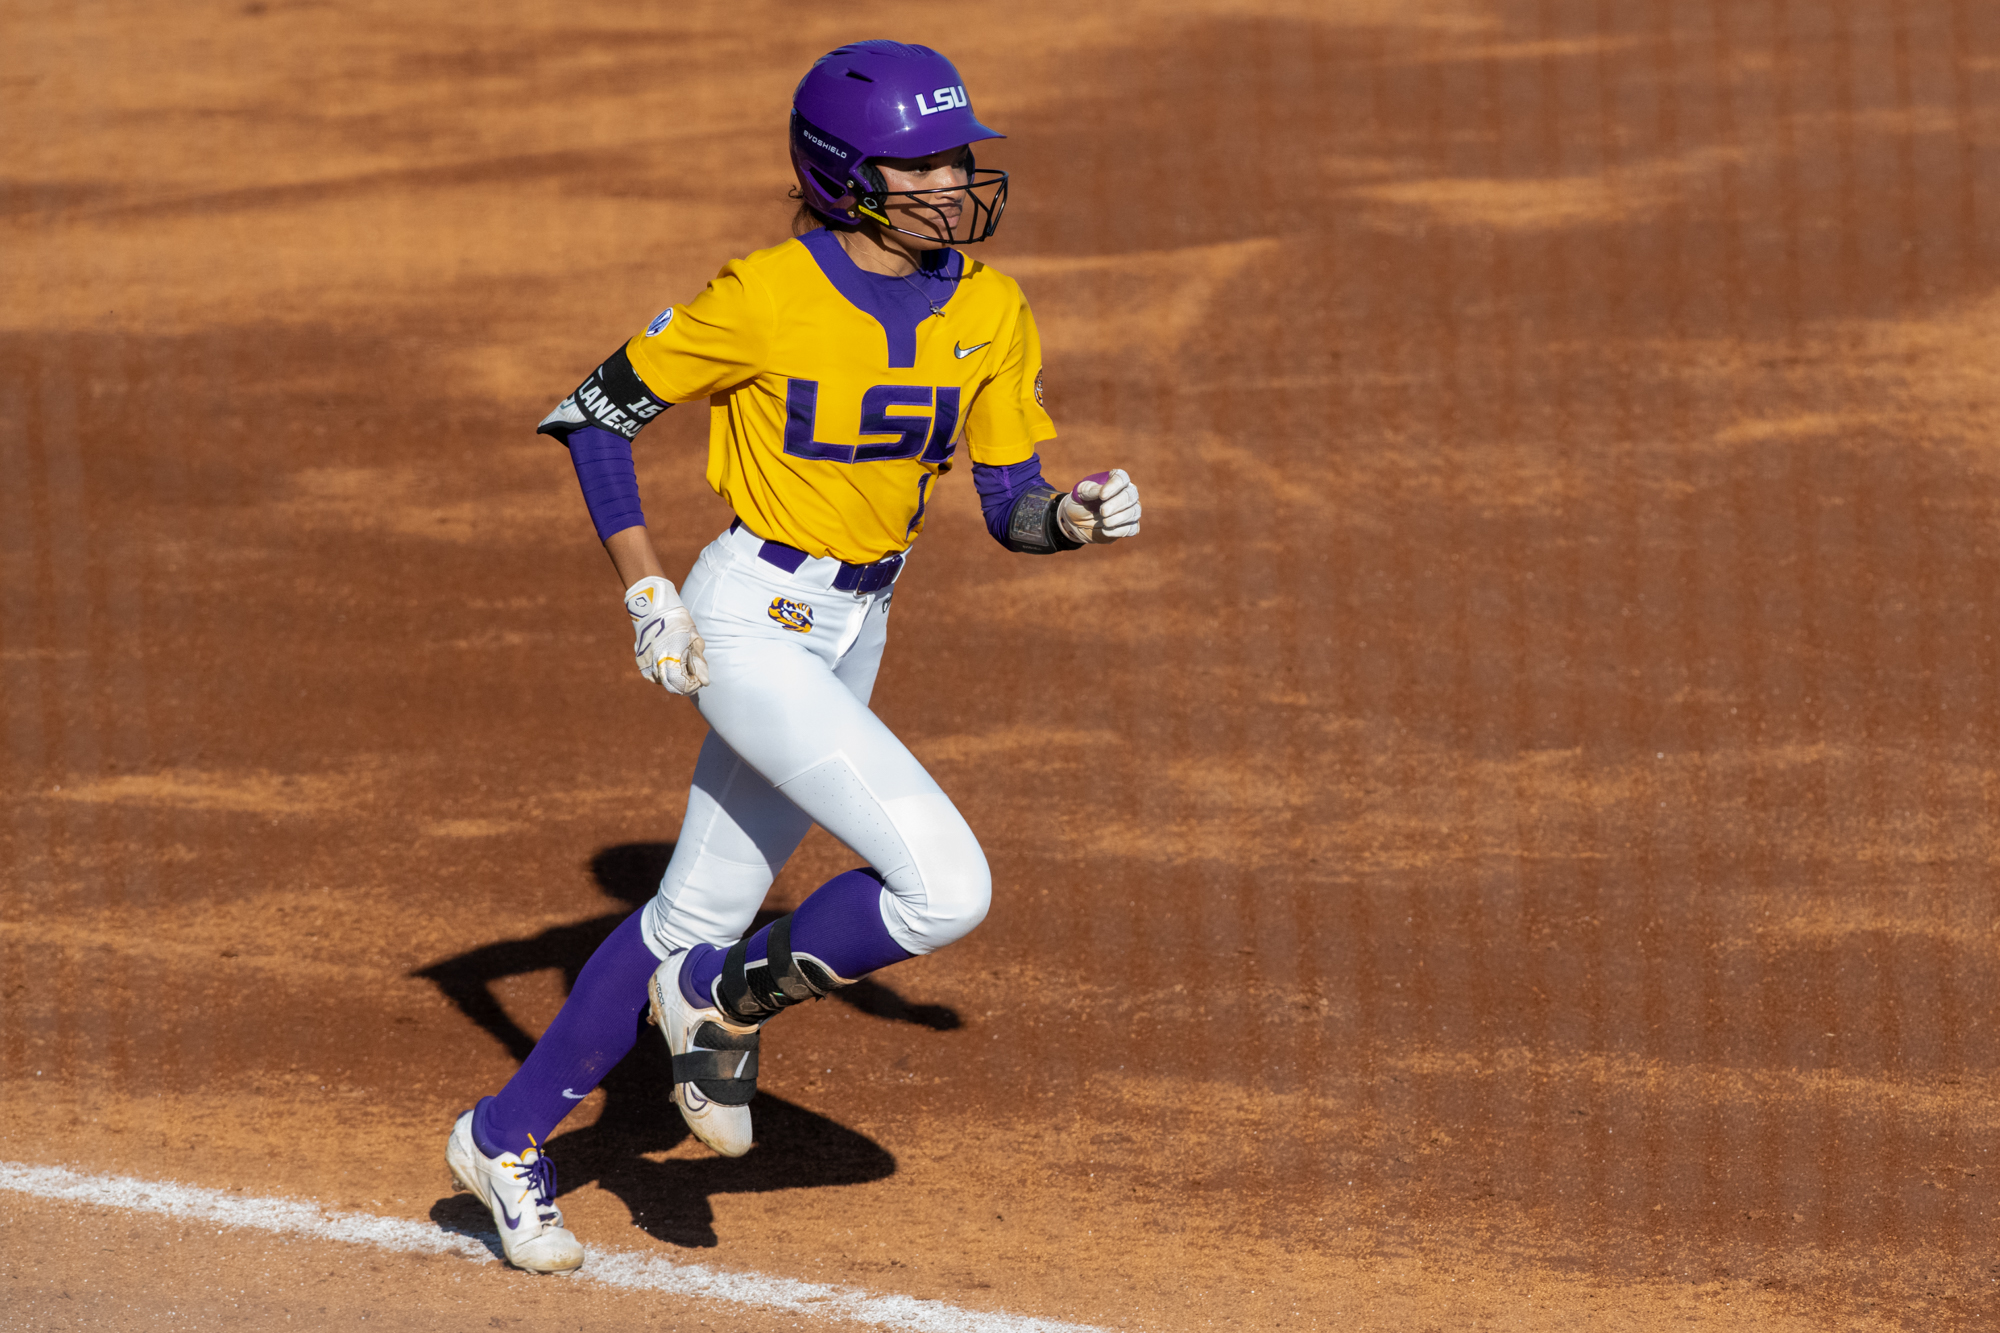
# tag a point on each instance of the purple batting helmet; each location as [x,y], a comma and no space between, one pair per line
[882,99]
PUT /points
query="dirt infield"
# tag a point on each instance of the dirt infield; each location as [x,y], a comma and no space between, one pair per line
[1511,845]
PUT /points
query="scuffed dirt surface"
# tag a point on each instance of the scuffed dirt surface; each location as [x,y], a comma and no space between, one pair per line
[1511,845]
[104,1269]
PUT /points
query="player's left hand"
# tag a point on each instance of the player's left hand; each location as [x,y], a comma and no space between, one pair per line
[664,642]
[1103,508]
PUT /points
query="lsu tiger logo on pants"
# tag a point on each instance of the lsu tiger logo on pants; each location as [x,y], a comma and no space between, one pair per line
[792,615]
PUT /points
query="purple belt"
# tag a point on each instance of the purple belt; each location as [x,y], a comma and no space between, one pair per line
[857,579]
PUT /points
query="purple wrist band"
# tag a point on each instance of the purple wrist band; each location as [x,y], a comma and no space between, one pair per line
[1001,487]
[610,481]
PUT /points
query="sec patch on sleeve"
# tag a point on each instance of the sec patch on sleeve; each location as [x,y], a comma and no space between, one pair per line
[660,321]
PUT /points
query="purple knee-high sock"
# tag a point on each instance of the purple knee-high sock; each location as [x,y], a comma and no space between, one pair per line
[598,1024]
[840,924]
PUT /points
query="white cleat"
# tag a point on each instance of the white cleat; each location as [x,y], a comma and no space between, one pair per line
[715,1063]
[521,1192]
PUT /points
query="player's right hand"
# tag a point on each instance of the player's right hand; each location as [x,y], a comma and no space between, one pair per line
[664,641]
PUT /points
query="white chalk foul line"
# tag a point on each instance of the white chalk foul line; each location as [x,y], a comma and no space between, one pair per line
[613,1268]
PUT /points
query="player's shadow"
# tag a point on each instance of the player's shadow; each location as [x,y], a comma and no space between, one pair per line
[795,1148]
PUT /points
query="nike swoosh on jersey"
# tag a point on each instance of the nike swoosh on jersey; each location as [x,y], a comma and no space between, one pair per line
[579,1096]
[963,352]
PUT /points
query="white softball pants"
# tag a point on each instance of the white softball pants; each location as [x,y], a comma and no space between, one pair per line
[792,742]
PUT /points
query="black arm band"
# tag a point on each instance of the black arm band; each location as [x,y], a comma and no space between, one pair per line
[1031,525]
[612,397]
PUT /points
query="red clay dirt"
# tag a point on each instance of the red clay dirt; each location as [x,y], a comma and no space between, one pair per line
[1511,845]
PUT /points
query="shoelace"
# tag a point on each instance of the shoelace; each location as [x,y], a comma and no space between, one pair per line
[539,1176]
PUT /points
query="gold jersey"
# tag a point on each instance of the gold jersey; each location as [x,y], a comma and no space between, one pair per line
[837,397]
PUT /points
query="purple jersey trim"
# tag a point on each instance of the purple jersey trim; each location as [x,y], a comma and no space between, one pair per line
[610,482]
[897,304]
[1001,488]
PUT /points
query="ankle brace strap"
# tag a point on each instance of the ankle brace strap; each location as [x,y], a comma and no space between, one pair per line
[751,992]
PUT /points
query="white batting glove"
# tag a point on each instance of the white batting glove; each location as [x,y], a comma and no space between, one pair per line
[1103,507]
[664,641]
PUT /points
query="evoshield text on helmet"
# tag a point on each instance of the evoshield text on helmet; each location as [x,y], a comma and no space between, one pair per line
[880,99]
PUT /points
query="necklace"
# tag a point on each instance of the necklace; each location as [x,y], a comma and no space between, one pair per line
[936,309]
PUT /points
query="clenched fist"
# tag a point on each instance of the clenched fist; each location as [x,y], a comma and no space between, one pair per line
[1103,508]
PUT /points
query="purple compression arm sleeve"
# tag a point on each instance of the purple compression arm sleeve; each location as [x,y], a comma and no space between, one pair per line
[1000,487]
[610,482]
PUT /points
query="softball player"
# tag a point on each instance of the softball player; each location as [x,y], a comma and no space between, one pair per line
[843,369]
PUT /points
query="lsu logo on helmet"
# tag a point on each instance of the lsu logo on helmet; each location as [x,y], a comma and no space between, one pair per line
[944,99]
[792,615]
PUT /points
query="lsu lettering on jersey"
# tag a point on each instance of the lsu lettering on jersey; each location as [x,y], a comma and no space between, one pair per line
[832,409]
